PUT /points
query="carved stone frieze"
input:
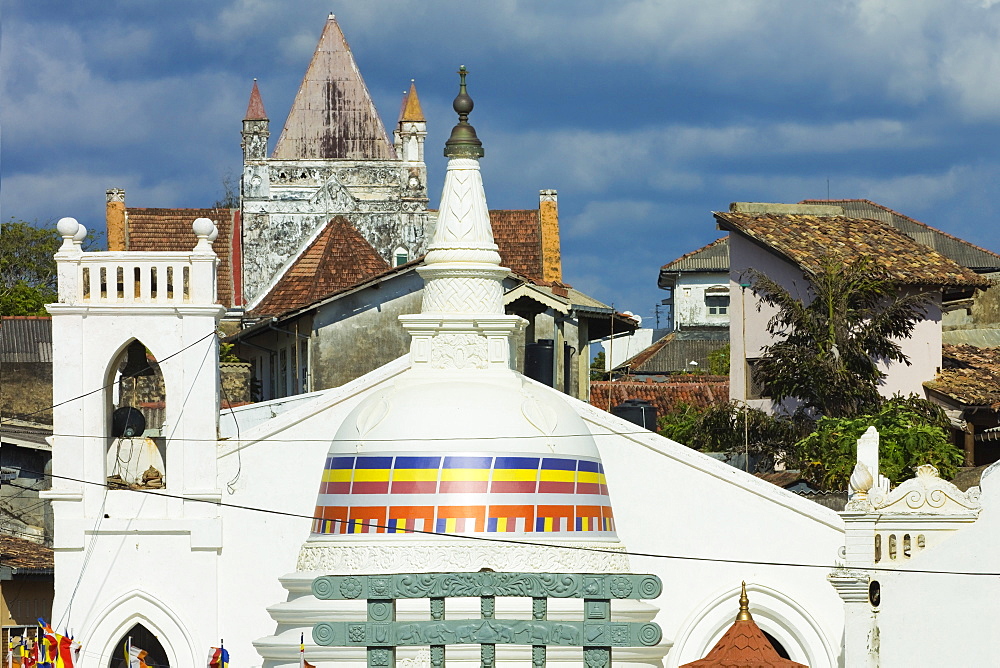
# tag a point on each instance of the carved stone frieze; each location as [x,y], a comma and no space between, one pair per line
[459,351]
[463,295]
[401,558]
[926,493]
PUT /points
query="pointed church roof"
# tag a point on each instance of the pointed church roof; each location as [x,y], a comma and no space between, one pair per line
[744,645]
[411,110]
[338,258]
[333,115]
[255,108]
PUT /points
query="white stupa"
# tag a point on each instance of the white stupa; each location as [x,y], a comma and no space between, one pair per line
[459,447]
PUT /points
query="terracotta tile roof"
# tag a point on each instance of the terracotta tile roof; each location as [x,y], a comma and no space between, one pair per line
[518,234]
[712,257]
[961,251]
[698,391]
[337,259]
[969,375]
[255,107]
[24,555]
[333,116]
[744,645]
[805,239]
[170,230]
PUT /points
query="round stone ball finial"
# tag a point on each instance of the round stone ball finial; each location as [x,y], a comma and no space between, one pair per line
[81,234]
[204,228]
[67,227]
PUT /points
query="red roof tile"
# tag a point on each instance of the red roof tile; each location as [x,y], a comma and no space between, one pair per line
[518,234]
[697,391]
[170,230]
[744,645]
[338,258]
[806,239]
[969,375]
[19,553]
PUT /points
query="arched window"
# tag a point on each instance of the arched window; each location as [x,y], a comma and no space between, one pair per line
[400,256]
[136,451]
[144,644]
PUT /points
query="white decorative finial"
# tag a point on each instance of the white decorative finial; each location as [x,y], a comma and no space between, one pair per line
[68,228]
[205,230]
[81,234]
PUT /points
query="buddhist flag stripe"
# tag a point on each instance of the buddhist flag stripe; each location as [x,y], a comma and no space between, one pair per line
[515,475]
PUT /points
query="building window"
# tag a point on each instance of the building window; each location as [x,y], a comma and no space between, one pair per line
[717,304]
[754,390]
[400,256]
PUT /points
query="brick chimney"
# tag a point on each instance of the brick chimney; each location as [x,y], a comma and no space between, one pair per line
[548,214]
[115,219]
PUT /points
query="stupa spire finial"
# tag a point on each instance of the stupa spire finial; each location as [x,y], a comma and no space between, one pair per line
[463,142]
[744,614]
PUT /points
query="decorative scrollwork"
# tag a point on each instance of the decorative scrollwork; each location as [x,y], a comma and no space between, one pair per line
[651,587]
[324,634]
[650,634]
[322,588]
[350,588]
[621,587]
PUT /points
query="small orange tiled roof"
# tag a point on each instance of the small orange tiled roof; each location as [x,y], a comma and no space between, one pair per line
[338,258]
[170,230]
[969,375]
[744,645]
[806,239]
[518,234]
[21,554]
[696,391]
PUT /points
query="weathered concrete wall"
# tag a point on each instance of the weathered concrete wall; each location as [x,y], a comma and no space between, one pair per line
[361,332]
[26,391]
[235,381]
[26,599]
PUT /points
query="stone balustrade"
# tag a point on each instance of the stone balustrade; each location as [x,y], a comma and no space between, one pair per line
[136,278]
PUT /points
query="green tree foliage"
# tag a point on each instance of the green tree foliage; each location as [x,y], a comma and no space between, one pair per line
[597,371]
[732,427]
[912,432]
[828,348]
[718,361]
[27,270]
[27,267]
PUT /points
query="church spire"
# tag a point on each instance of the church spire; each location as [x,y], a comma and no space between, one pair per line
[411,111]
[255,108]
[333,115]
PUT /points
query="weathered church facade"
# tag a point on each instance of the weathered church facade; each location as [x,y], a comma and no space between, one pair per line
[332,158]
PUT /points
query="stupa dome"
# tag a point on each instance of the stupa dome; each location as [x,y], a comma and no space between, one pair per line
[460,453]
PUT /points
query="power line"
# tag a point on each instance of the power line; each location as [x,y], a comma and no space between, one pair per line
[507,541]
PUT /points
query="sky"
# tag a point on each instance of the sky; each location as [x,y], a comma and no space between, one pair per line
[645,115]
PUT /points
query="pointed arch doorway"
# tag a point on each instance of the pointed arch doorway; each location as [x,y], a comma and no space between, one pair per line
[143,638]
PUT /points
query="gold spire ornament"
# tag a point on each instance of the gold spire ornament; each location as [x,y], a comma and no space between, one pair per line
[744,614]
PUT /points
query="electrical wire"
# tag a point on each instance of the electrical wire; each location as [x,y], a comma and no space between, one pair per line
[112,384]
[507,541]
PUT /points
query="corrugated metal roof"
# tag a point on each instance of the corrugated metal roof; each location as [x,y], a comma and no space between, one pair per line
[961,251]
[25,339]
[674,353]
[713,257]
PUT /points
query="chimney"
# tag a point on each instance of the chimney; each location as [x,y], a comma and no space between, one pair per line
[548,214]
[115,219]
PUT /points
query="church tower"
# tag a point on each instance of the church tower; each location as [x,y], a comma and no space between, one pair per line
[255,133]
[134,466]
[332,158]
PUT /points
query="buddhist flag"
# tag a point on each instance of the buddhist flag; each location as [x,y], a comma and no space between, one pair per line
[302,652]
[134,657]
[218,657]
[29,652]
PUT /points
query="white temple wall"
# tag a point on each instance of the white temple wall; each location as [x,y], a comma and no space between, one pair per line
[670,499]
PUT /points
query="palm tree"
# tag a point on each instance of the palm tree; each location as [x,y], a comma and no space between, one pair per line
[829,345]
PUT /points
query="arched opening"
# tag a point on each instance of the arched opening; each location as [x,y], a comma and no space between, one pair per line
[144,644]
[136,452]
[778,647]
[400,256]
